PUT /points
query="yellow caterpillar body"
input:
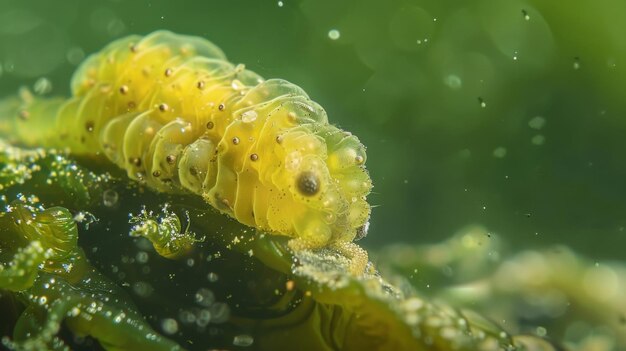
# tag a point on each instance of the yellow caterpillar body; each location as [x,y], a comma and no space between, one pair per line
[175,114]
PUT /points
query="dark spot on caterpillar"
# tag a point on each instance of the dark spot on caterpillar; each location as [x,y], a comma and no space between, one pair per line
[193,171]
[135,161]
[168,72]
[308,183]
[221,107]
[279,139]
[24,115]
[156,174]
[124,89]
[131,105]
[210,125]
[254,157]
[361,232]
[163,107]
[82,139]
[236,141]
[89,126]
[171,159]
[359,159]
[133,48]
[200,85]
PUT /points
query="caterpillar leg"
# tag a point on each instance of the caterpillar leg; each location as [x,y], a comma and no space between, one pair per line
[317,234]
[355,254]
[313,233]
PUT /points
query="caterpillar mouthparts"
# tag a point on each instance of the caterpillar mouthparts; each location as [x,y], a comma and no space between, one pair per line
[176,115]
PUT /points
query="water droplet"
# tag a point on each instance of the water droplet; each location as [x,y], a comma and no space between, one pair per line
[119,317]
[334,34]
[243,340]
[249,116]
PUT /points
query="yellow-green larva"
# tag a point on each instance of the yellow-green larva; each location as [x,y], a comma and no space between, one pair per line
[175,114]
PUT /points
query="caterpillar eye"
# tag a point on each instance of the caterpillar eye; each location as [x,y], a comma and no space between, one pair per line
[361,232]
[308,183]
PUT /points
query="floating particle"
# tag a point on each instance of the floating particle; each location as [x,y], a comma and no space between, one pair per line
[143,289]
[75,55]
[169,326]
[537,122]
[186,317]
[220,312]
[204,297]
[334,34]
[499,152]
[110,198]
[203,318]
[42,86]
[142,257]
[243,340]
[538,139]
[453,81]
[212,277]
[482,102]
[541,331]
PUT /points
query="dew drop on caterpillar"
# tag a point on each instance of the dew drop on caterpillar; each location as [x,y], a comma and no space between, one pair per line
[175,114]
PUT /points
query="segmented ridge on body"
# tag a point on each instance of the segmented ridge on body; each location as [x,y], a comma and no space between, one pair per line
[175,114]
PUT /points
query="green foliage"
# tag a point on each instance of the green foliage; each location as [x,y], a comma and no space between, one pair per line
[263,294]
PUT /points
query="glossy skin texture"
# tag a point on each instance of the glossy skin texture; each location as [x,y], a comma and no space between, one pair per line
[172,112]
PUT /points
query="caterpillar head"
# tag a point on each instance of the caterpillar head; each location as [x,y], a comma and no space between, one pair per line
[325,168]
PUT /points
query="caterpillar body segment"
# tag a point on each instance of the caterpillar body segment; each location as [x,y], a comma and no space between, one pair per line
[172,112]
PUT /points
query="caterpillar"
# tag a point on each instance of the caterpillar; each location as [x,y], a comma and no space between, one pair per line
[175,114]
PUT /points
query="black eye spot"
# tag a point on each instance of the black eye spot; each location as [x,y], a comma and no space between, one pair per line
[308,183]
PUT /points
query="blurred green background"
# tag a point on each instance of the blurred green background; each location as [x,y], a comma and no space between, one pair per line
[509,114]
